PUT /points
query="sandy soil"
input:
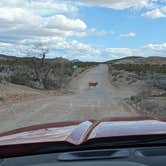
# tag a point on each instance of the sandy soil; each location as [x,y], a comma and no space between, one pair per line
[84,103]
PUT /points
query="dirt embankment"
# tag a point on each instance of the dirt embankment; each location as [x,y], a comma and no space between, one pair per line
[12,93]
[149,80]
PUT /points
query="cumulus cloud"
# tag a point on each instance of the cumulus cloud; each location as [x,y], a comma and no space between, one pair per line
[76,50]
[154,8]
[62,22]
[33,20]
[57,47]
[94,32]
[121,4]
[116,53]
[19,15]
[156,47]
[128,35]
[40,5]
[156,13]
[147,50]
[26,23]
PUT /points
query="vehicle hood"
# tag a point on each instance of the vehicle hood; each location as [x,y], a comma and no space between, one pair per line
[77,133]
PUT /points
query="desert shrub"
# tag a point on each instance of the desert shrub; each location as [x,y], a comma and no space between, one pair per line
[68,70]
[1,68]
[20,78]
[85,64]
[140,68]
[31,71]
[50,84]
[128,78]
[114,79]
[1,98]
[135,99]
[115,73]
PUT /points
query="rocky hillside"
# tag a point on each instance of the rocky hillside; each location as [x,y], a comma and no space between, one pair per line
[149,75]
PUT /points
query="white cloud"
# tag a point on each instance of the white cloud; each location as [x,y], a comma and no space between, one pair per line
[94,32]
[121,4]
[83,47]
[24,20]
[24,23]
[154,8]
[57,47]
[77,50]
[62,22]
[156,47]
[18,15]
[128,35]
[156,13]
[116,53]
[40,5]
[147,50]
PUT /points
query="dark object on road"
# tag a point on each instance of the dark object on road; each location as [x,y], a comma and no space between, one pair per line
[93,84]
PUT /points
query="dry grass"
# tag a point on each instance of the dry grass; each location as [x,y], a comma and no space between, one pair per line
[151,100]
[140,68]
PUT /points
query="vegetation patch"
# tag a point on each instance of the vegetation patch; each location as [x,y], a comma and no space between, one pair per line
[40,72]
[1,98]
[140,68]
[20,78]
[151,98]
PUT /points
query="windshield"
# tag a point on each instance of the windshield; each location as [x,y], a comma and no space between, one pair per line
[64,60]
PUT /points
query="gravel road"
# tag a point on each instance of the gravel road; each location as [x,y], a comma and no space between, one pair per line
[85,103]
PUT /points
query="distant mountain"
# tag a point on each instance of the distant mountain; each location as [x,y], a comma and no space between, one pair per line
[76,60]
[140,60]
[60,60]
[7,57]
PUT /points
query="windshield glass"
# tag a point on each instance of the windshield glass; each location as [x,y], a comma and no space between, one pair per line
[64,60]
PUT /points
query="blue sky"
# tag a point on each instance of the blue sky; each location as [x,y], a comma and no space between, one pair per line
[89,30]
[122,22]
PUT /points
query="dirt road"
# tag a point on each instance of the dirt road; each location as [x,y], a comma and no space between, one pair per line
[85,103]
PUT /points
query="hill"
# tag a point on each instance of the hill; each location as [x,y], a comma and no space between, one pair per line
[140,60]
[145,74]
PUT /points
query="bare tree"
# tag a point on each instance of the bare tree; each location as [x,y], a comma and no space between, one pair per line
[39,63]
[49,74]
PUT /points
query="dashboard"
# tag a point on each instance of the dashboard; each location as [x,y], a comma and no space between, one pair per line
[140,156]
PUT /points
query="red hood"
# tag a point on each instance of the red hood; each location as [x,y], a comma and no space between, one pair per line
[77,133]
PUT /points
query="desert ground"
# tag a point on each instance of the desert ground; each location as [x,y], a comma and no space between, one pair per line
[81,102]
